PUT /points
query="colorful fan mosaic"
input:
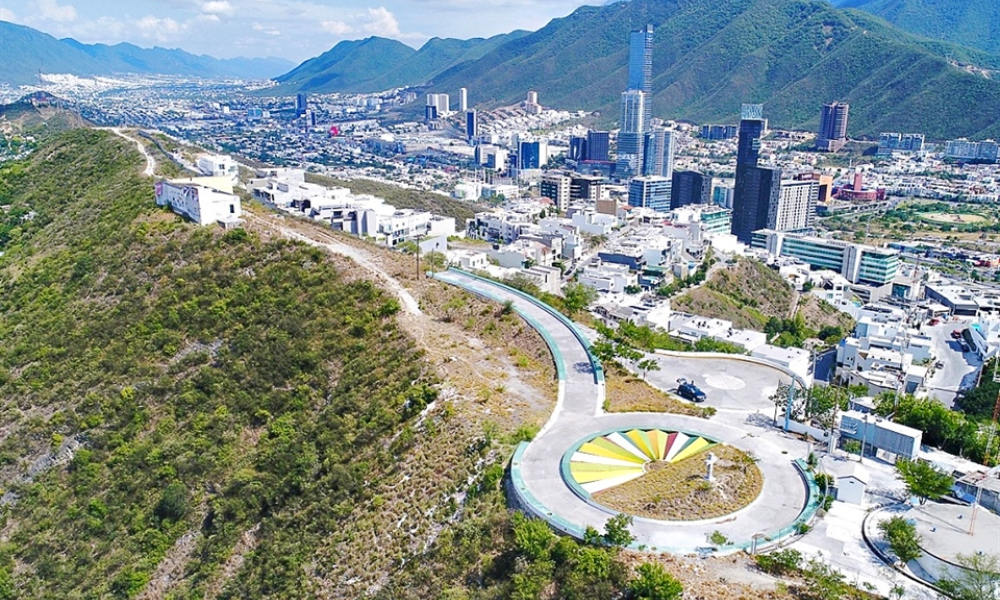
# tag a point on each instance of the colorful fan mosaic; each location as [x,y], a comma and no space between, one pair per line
[613,459]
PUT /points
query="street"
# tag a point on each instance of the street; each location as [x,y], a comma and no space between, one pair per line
[960,369]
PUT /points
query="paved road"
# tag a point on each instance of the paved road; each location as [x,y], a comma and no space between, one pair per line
[959,370]
[578,415]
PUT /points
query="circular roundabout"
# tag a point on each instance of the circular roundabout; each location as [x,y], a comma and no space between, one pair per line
[661,474]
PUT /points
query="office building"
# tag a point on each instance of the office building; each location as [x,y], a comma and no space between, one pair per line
[471,125]
[757,189]
[658,158]
[640,68]
[463,99]
[719,132]
[556,187]
[832,127]
[900,142]
[585,187]
[491,157]
[577,148]
[650,192]
[690,187]
[532,155]
[858,263]
[598,146]
[795,209]
[300,104]
[631,136]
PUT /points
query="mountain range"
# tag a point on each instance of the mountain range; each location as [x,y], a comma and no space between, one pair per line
[27,51]
[709,56]
[376,63]
[973,23]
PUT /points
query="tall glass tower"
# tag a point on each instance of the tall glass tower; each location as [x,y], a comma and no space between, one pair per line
[640,66]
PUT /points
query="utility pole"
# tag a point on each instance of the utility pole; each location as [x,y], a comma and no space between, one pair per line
[788,407]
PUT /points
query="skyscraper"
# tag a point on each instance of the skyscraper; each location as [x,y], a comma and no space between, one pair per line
[690,187]
[631,136]
[757,188]
[300,104]
[463,99]
[832,127]
[598,145]
[577,148]
[640,67]
[658,158]
[471,125]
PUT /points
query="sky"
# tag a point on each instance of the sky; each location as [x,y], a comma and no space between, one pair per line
[292,29]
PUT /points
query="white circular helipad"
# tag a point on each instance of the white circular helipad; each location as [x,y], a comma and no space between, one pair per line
[721,381]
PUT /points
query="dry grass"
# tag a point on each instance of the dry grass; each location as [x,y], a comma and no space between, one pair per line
[628,393]
[680,492]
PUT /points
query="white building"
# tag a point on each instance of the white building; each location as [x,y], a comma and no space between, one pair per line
[391,226]
[607,277]
[205,201]
[795,360]
[468,260]
[217,165]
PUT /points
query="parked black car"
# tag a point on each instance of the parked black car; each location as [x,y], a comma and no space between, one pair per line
[689,391]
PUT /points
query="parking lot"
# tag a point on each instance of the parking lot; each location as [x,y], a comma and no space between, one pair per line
[958,369]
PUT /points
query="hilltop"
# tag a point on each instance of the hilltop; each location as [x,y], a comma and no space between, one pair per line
[710,56]
[218,414]
[972,23]
[751,294]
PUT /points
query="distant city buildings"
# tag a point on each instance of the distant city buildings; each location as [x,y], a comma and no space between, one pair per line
[832,127]
[463,99]
[300,105]
[531,105]
[900,142]
[658,158]
[963,149]
[719,132]
[795,209]
[438,106]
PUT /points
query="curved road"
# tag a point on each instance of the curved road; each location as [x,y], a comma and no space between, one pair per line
[578,414]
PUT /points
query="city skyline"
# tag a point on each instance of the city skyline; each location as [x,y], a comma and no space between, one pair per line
[292,29]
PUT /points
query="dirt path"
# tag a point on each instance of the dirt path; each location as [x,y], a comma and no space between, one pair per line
[323,240]
[150,169]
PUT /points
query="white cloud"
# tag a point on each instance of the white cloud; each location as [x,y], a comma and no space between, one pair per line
[265,30]
[381,22]
[206,19]
[336,27]
[217,7]
[7,15]
[50,10]
[158,29]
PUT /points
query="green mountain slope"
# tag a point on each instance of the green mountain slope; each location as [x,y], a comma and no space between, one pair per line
[972,23]
[348,65]
[166,388]
[435,56]
[376,64]
[27,51]
[712,55]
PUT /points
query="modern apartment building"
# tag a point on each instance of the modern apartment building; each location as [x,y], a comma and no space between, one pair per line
[650,192]
[556,187]
[832,127]
[796,206]
[858,263]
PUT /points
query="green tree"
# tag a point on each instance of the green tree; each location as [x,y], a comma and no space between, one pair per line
[979,580]
[532,537]
[173,504]
[902,538]
[435,260]
[647,365]
[654,583]
[577,297]
[616,532]
[924,481]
